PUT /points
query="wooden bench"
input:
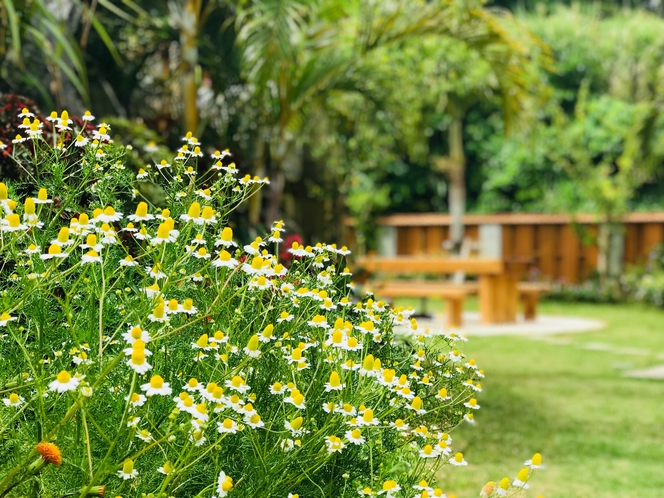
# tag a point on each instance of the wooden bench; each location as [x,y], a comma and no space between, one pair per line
[454,294]
[497,284]
[530,293]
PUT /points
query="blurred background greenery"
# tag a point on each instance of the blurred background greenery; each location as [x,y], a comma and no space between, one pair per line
[358,108]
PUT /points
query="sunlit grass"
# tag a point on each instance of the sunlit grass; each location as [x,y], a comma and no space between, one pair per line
[600,433]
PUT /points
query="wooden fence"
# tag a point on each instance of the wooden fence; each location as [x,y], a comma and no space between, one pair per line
[559,246]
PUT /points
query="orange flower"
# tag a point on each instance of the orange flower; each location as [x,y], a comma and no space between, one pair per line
[50,453]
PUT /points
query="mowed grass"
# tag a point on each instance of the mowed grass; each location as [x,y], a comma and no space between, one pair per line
[601,434]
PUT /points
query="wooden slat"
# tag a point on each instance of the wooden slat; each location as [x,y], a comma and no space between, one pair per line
[524,241]
[473,232]
[414,240]
[440,219]
[407,264]
[652,235]
[425,286]
[546,251]
[434,240]
[402,238]
[632,233]
[569,251]
[508,239]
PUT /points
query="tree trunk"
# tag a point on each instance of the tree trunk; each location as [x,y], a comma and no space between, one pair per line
[189,47]
[277,184]
[457,176]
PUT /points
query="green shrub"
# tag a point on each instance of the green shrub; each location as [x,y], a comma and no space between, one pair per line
[147,354]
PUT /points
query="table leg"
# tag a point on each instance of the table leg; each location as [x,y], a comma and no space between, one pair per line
[498,298]
[530,301]
[454,309]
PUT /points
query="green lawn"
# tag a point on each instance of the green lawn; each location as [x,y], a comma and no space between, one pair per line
[601,435]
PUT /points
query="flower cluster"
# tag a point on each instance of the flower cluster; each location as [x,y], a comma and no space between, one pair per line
[158,350]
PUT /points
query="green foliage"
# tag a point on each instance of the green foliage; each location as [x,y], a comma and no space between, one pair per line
[599,138]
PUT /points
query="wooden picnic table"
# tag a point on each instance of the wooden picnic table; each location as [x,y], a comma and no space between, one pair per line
[497,278]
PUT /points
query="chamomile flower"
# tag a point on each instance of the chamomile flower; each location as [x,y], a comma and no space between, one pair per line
[355,436]
[368,418]
[238,384]
[91,256]
[535,462]
[81,141]
[334,444]
[108,215]
[319,321]
[334,383]
[472,403]
[416,405]
[296,398]
[254,421]
[128,261]
[64,382]
[165,233]
[224,485]
[136,400]
[25,113]
[166,469]
[458,460]
[101,134]
[228,426]
[390,489]
[252,349]
[521,479]
[137,361]
[13,400]
[159,313]
[225,260]
[5,318]
[157,386]
[141,213]
[87,116]
[155,271]
[429,452]
[128,471]
[144,435]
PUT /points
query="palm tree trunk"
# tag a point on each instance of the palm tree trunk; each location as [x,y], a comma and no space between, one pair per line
[457,176]
[189,47]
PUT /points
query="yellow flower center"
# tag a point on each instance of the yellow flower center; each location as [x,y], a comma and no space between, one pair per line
[14,220]
[64,377]
[156,382]
[194,210]
[389,485]
[128,467]
[138,356]
[63,235]
[252,345]
[208,213]
[334,380]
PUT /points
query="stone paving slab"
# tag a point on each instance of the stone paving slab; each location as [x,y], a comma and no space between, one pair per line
[656,373]
[543,325]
